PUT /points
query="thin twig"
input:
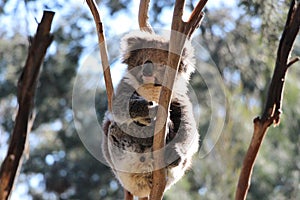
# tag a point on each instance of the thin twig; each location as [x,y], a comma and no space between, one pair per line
[272,110]
[103,52]
[293,61]
[26,92]
[143,16]
[181,31]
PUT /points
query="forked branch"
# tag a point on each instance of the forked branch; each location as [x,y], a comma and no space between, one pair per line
[103,52]
[181,31]
[272,110]
[26,92]
[143,16]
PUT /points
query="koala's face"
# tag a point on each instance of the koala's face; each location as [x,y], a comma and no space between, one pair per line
[148,65]
[146,56]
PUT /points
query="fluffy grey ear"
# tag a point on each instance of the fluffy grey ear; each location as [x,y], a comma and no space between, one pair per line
[133,41]
[140,40]
[188,52]
[188,59]
[129,43]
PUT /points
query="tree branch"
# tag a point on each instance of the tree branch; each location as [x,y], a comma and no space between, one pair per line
[273,105]
[26,92]
[181,31]
[103,52]
[293,61]
[143,16]
[127,195]
[272,110]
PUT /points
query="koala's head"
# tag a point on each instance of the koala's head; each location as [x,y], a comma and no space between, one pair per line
[146,56]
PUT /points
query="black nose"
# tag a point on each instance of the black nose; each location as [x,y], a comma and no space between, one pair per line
[148,68]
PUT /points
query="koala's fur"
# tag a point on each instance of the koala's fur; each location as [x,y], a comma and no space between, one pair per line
[127,144]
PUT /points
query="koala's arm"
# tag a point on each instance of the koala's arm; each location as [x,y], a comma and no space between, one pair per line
[107,121]
[128,106]
[183,137]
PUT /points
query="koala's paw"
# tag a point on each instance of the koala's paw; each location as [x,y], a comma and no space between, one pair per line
[119,138]
[172,158]
[142,111]
[114,134]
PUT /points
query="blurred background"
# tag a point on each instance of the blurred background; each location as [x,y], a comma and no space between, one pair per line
[241,38]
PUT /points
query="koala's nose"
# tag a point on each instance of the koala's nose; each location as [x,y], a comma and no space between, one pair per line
[148,68]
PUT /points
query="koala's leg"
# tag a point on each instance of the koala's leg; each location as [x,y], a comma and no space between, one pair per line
[183,137]
[106,125]
[120,108]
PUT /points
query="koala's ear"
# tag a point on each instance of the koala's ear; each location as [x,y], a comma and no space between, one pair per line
[188,60]
[137,40]
[188,51]
[132,41]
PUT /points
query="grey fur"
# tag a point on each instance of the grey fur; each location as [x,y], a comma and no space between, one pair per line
[128,130]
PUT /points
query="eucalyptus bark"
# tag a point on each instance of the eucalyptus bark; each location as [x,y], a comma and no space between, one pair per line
[26,92]
[272,110]
[181,31]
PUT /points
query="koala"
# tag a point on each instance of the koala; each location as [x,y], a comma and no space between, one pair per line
[129,128]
